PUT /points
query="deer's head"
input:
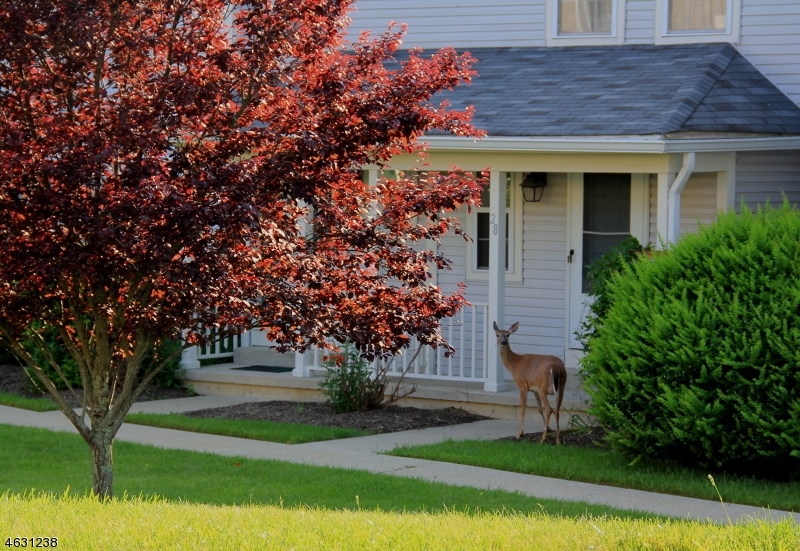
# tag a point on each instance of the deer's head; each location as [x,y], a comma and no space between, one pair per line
[502,336]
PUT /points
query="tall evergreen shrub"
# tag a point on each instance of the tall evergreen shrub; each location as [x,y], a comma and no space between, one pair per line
[698,358]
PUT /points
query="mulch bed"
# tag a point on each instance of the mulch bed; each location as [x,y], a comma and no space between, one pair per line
[383,420]
[593,437]
[14,380]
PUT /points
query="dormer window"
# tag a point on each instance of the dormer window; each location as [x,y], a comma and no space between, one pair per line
[585,22]
[697,16]
[582,17]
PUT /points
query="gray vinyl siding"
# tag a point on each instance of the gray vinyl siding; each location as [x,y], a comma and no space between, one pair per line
[766,175]
[640,22]
[540,303]
[770,39]
[459,23]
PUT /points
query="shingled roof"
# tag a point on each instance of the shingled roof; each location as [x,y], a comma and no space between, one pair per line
[623,90]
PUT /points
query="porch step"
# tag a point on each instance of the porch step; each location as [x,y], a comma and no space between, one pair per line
[262,355]
[225,380]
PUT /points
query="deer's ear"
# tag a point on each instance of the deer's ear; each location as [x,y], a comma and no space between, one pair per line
[513,328]
[494,324]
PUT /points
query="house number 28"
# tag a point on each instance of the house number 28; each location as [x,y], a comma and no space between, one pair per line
[493,222]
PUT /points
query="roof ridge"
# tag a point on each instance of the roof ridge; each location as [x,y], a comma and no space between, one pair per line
[680,117]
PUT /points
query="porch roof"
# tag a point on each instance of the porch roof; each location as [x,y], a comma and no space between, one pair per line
[671,91]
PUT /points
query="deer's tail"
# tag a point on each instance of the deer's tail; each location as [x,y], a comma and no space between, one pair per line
[555,376]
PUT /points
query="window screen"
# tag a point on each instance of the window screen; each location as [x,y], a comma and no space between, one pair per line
[606,216]
[698,15]
[584,16]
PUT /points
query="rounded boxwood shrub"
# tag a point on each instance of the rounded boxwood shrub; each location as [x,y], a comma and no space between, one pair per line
[698,357]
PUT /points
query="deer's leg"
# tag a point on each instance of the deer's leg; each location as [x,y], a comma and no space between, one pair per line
[523,402]
[539,405]
[548,411]
[560,398]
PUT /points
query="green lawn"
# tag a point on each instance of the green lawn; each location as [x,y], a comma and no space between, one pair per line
[34,404]
[37,459]
[134,524]
[609,468]
[270,431]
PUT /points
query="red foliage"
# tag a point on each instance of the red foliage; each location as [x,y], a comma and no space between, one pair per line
[157,163]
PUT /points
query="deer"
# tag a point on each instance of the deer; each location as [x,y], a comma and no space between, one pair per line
[546,373]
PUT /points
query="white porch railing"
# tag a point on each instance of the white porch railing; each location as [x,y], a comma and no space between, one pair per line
[468,333]
[190,357]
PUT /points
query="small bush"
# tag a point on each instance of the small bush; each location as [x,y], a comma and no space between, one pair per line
[349,383]
[7,357]
[600,275]
[169,377]
[172,375]
[698,357]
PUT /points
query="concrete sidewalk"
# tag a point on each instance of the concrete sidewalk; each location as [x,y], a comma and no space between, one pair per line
[364,453]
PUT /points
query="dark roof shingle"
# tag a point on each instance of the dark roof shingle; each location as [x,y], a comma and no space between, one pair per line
[623,90]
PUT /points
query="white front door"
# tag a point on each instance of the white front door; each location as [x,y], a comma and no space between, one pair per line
[604,209]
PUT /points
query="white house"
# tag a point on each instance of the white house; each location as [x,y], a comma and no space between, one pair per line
[643,117]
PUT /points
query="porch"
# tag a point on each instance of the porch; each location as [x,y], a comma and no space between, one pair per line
[251,368]
[230,379]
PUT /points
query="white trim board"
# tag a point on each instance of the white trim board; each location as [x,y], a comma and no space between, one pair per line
[610,144]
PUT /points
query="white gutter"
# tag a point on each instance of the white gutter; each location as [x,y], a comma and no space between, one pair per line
[674,197]
[610,144]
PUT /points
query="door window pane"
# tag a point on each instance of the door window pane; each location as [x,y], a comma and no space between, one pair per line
[606,216]
[698,15]
[584,16]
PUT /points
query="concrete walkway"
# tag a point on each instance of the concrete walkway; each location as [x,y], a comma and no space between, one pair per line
[364,453]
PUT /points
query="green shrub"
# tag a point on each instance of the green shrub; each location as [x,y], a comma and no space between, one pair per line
[600,275]
[7,357]
[349,383]
[169,377]
[69,366]
[698,358]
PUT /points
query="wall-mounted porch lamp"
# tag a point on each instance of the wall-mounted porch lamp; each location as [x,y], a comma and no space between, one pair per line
[533,186]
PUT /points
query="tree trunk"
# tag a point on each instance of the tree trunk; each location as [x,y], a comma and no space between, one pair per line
[102,465]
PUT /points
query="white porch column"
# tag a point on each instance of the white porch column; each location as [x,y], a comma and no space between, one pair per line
[497,278]
[189,358]
[726,187]
[665,181]
[300,368]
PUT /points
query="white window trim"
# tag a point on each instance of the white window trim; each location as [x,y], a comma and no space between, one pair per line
[514,271]
[731,34]
[617,35]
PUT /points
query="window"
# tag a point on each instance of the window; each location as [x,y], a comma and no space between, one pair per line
[691,15]
[482,233]
[687,21]
[584,16]
[478,227]
[585,22]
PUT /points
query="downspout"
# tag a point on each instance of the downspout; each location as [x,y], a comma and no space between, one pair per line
[674,197]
